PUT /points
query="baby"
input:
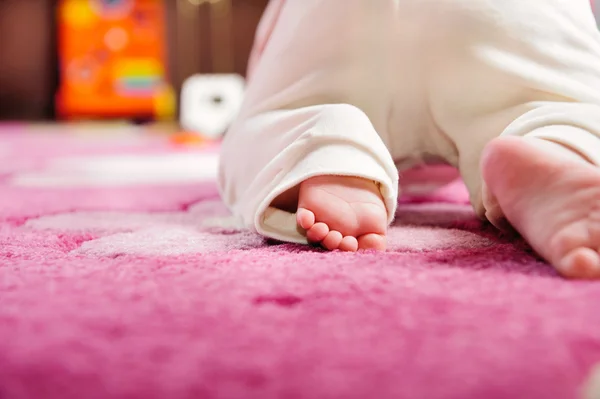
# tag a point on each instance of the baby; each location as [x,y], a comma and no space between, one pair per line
[343,94]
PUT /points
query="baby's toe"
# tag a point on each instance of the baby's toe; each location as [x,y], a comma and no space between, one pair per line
[305,218]
[332,240]
[372,241]
[317,232]
[349,244]
[580,263]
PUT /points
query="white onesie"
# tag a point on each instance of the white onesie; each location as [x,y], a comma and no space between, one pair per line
[369,87]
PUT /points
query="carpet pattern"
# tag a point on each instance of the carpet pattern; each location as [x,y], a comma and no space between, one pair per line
[122,275]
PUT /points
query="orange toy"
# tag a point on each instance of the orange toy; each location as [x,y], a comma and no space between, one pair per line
[187,138]
[113,60]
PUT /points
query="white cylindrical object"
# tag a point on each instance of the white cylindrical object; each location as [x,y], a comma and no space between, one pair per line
[209,103]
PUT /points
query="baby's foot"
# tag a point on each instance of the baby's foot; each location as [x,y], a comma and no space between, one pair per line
[346,213]
[551,196]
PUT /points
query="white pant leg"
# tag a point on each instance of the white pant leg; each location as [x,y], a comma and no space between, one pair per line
[514,67]
[263,33]
[312,108]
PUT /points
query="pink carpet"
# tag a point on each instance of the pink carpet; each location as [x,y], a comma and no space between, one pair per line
[123,276]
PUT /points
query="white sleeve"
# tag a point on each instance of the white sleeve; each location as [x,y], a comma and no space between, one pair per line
[265,155]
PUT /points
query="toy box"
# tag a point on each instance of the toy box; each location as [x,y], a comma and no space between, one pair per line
[112,60]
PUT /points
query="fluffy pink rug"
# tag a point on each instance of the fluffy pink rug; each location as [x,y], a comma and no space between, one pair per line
[123,276]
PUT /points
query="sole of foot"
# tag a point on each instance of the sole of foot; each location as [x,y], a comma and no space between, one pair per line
[551,196]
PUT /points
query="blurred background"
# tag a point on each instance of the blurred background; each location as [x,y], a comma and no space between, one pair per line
[70,59]
[115,58]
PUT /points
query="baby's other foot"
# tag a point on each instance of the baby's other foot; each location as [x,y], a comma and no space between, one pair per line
[552,197]
[340,212]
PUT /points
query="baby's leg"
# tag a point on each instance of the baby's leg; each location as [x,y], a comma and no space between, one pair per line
[304,161]
[340,212]
[530,70]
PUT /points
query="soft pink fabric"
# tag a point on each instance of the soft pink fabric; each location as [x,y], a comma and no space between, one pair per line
[154,291]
